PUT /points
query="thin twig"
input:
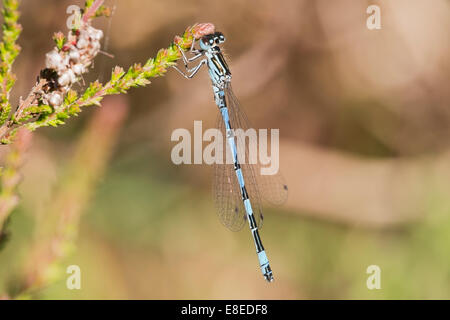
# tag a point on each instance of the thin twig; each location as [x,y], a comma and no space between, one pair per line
[90,13]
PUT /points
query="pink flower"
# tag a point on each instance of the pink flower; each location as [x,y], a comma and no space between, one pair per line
[202,29]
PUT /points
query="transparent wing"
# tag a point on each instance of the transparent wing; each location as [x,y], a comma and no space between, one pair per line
[272,188]
[226,191]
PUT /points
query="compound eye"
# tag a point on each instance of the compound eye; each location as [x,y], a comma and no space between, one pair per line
[219,37]
[207,41]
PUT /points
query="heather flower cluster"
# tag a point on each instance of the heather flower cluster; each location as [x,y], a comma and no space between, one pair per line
[68,61]
[65,65]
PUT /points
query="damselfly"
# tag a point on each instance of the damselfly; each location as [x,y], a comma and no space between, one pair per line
[237,186]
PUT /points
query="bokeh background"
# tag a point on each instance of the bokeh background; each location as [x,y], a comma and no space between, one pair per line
[364,118]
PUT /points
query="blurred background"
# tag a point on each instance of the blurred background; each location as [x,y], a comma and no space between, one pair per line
[364,119]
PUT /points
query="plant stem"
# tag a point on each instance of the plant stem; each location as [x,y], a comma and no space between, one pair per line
[9,50]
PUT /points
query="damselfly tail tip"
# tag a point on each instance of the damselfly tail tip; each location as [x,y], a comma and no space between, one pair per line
[264,265]
[268,275]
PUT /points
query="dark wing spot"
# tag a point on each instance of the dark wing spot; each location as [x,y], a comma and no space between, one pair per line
[285,187]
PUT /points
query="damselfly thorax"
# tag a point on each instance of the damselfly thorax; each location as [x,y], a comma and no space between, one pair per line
[217,67]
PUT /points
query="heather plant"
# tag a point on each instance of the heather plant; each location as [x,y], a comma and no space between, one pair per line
[53,100]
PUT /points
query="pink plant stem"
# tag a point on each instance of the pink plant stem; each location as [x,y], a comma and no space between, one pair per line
[92,10]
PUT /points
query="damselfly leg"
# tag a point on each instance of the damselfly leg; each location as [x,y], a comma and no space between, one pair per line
[190,72]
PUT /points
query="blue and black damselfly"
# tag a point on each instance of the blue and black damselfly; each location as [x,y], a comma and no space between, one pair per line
[238,186]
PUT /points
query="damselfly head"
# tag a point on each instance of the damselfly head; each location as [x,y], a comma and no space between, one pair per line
[211,40]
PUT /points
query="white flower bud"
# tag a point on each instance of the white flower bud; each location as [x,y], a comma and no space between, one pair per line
[73,77]
[95,48]
[84,33]
[55,99]
[67,78]
[64,79]
[53,60]
[97,35]
[78,69]
[74,55]
[93,33]
[65,62]
[82,43]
